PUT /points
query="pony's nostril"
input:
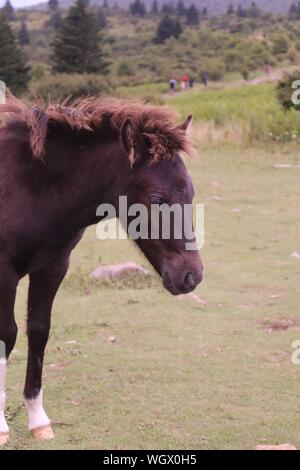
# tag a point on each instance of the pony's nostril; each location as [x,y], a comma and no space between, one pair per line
[189,281]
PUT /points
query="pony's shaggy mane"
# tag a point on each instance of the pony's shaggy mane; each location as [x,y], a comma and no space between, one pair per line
[157,124]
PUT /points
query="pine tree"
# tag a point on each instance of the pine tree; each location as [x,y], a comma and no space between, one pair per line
[253,11]
[13,68]
[180,8]
[101,20]
[168,27]
[192,16]
[168,9]
[8,11]
[137,8]
[77,47]
[241,12]
[55,20]
[205,12]
[53,5]
[294,11]
[23,35]
[230,9]
[154,8]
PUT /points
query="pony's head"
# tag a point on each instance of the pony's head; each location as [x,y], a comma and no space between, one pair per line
[164,187]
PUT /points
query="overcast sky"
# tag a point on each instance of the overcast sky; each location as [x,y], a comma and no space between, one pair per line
[22,3]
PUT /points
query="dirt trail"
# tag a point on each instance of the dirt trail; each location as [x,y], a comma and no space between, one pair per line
[274,76]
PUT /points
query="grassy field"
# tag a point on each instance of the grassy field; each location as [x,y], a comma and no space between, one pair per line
[229,113]
[182,374]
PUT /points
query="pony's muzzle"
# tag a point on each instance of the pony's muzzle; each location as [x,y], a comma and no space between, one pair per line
[186,282]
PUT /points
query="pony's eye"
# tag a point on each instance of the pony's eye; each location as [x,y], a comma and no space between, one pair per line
[156,200]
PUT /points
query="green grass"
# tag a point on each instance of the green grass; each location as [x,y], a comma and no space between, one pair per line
[152,92]
[181,374]
[254,108]
[228,113]
[232,103]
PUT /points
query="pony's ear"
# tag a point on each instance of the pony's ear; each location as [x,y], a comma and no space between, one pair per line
[132,141]
[186,124]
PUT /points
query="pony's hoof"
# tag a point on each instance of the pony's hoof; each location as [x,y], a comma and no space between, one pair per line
[44,433]
[4,438]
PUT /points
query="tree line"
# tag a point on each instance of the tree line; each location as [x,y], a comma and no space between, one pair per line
[78,43]
[294,11]
[77,46]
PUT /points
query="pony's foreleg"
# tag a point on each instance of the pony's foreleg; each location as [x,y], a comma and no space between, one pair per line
[8,335]
[42,290]
[4,430]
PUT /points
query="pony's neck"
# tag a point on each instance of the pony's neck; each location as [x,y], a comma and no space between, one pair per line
[101,176]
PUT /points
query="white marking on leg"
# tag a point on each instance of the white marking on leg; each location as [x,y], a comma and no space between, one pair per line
[36,413]
[3,424]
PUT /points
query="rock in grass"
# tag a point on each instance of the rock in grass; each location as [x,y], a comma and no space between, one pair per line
[111,339]
[116,270]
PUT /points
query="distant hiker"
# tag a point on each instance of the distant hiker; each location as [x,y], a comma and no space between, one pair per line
[205,79]
[191,83]
[268,70]
[172,84]
[184,82]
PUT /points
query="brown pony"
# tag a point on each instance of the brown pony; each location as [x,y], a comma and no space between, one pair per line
[58,163]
